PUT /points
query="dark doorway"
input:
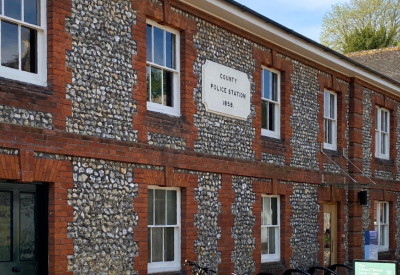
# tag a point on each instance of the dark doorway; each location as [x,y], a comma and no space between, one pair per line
[23,229]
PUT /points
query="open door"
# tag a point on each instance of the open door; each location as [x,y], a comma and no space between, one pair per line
[330,234]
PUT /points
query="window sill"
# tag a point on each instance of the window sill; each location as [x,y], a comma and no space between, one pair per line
[273,139]
[163,270]
[383,161]
[330,152]
[164,116]
[158,108]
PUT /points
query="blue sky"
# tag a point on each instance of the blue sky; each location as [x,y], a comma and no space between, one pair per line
[303,16]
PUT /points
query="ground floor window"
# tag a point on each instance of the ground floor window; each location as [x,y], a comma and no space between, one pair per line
[163,229]
[270,229]
[381,223]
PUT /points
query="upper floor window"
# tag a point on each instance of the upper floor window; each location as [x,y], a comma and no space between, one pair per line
[270,103]
[162,69]
[23,40]
[382,120]
[163,229]
[270,229]
[381,224]
[330,120]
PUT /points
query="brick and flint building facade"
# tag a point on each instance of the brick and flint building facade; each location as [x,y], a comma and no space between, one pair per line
[113,161]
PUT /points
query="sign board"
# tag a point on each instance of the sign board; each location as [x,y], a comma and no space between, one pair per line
[371,245]
[226,91]
[365,267]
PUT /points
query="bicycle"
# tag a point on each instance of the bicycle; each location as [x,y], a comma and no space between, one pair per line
[198,270]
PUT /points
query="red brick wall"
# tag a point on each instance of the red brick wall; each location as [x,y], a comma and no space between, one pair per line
[58,174]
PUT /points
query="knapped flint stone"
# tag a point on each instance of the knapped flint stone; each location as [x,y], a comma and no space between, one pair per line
[305,226]
[20,116]
[217,134]
[102,74]
[206,219]
[367,138]
[103,218]
[242,231]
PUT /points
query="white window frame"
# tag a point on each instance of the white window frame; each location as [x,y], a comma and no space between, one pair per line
[277,256]
[379,133]
[41,77]
[377,225]
[175,265]
[333,145]
[156,107]
[277,132]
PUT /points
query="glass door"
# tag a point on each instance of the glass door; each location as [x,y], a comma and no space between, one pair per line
[18,229]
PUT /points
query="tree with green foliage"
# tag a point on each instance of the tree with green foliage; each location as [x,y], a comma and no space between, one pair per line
[362,25]
[369,38]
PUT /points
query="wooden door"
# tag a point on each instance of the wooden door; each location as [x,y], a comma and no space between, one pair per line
[19,230]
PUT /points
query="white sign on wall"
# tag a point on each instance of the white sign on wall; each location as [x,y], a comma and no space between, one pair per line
[226,91]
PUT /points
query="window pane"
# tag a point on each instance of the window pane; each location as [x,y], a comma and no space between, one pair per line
[274,87]
[158,46]
[264,240]
[383,143]
[156,76]
[385,212]
[150,208]
[267,84]
[169,242]
[329,131]
[264,114]
[157,244]
[9,45]
[170,50]
[386,128]
[382,120]
[168,88]
[159,199]
[326,104]
[148,82]
[274,211]
[12,8]
[267,211]
[28,50]
[27,227]
[332,106]
[5,226]
[31,11]
[271,240]
[149,245]
[171,207]
[383,235]
[326,130]
[271,117]
[149,42]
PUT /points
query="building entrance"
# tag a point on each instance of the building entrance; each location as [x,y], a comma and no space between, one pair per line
[23,229]
[330,233]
